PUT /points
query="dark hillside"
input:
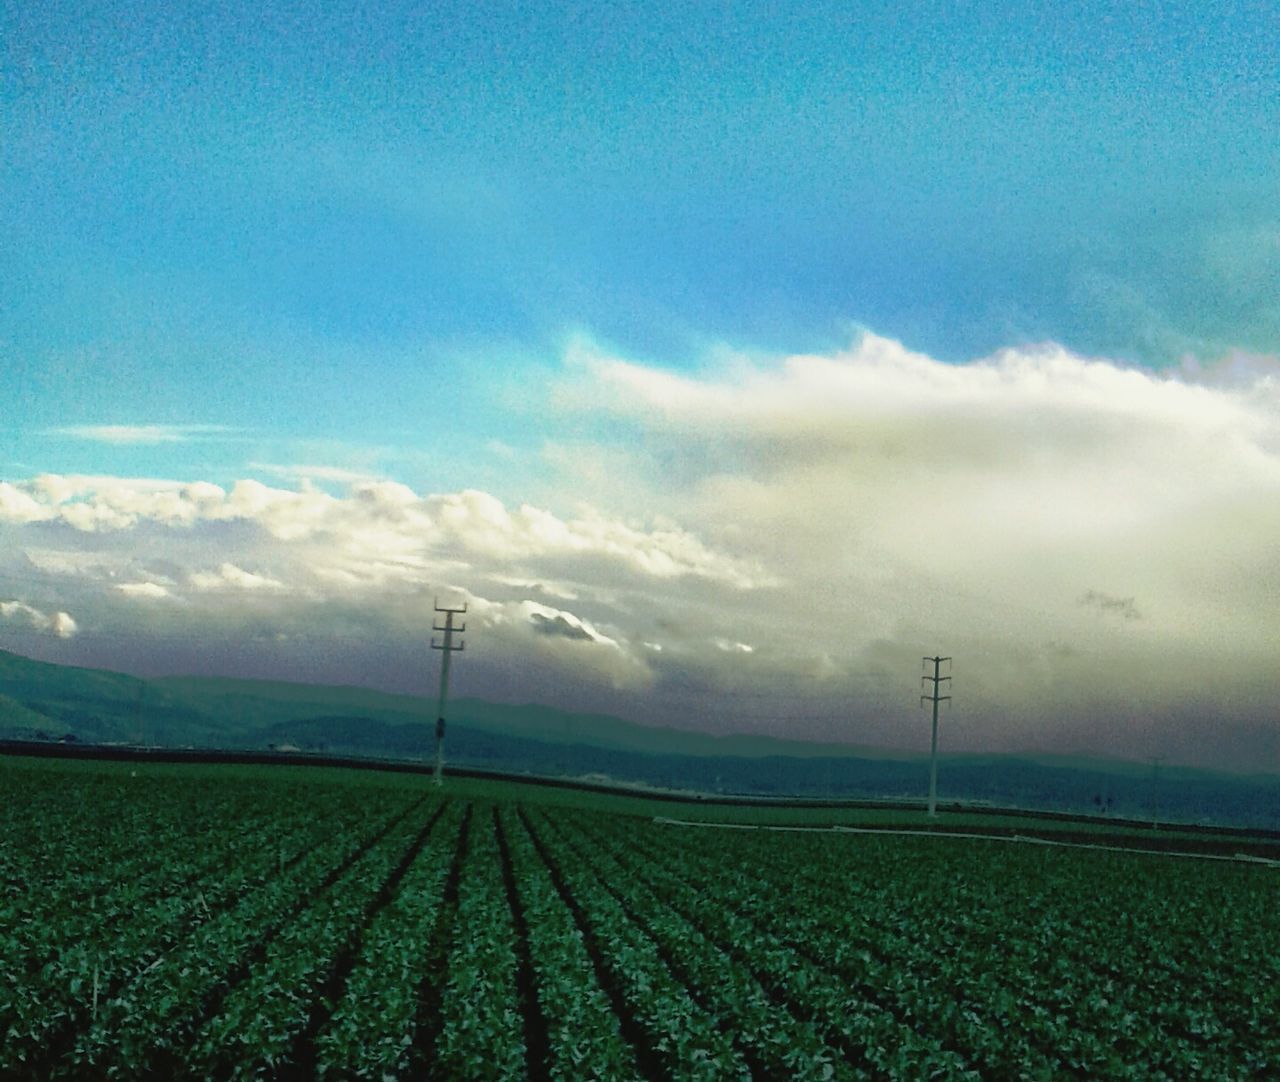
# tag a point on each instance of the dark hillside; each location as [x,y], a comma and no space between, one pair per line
[39,701]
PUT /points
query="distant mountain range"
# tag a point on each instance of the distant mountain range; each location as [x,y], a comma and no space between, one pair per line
[46,702]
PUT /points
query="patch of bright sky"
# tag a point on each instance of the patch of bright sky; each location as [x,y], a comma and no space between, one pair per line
[377,225]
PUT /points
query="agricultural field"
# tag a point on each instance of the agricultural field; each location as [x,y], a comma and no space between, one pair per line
[240,922]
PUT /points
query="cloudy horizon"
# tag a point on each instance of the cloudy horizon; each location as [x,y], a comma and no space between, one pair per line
[1091,542]
[724,365]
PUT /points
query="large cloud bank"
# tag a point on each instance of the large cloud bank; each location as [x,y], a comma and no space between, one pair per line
[328,585]
[1098,545]
[766,546]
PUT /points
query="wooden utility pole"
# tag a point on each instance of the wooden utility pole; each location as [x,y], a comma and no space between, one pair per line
[447,648]
[935,698]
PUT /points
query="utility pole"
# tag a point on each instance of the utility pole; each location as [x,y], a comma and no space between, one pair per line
[935,698]
[447,649]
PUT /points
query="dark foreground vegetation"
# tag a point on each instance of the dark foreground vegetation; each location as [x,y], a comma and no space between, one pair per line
[162,920]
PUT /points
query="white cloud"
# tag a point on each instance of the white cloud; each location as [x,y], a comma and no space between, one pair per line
[63,626]
[233,577]
[59,624]
[560,641]
[380,524]
[19,506]
[306,564]
[147,590]
[302,472]
[137,434]
[1088,539]
[874,396]
[970,508]
[559,622]
[104,503]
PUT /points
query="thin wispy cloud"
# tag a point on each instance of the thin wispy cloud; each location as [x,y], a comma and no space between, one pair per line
[305,472]
[140,434]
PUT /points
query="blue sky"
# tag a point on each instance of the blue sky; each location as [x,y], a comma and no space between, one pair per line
[265,242]
[200,206]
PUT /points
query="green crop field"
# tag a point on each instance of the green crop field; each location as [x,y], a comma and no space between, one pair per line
[218,922]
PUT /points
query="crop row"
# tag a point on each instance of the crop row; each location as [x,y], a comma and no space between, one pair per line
[847,1014]
[387,931]
[261,1020]
[95,968]
[583,1031]
[373,1032]
[1018,971]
